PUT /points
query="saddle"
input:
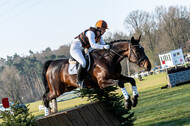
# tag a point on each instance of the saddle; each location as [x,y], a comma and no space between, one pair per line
[73,64]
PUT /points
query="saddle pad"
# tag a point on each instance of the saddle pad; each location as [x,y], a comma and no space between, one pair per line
[72,65]
[72,69]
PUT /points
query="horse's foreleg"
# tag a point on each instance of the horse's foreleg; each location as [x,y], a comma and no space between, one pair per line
[134,88]
[107,83]
[128,102]
[110,82]
[132,82]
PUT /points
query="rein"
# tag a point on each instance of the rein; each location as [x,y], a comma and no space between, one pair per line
[130,53]
[113,52]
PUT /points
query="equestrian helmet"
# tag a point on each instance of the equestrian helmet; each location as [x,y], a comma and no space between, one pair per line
[101,24]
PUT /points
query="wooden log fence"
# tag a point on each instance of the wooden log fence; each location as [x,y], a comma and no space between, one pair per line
[93,114]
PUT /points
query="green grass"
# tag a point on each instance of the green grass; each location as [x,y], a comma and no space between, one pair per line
[156,107]
[34,109]
[61,106]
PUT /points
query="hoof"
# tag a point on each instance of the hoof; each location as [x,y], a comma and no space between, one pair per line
[135,100]
[128,104]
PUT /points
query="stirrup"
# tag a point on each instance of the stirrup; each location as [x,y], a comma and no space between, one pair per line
[81,84]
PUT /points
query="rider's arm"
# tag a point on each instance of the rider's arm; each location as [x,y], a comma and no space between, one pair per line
[91,38]
[102,41]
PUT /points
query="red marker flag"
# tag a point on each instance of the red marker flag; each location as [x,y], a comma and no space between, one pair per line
[5,102]
[163,62]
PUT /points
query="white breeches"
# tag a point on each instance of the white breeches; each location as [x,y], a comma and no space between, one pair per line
[76,52]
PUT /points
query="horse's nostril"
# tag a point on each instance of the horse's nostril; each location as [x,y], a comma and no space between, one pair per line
[149,67]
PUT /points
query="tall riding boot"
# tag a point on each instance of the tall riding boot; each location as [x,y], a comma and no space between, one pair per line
[80,76]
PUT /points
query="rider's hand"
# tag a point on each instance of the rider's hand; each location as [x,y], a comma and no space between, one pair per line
[107,47]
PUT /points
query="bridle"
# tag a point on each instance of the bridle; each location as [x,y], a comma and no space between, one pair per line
[137,60]
[131,52]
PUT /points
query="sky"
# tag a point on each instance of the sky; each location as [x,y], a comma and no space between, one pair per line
[38,24]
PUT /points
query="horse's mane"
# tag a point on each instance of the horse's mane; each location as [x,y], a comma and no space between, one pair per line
[115,41]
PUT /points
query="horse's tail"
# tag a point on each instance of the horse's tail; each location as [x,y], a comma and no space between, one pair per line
[44,80]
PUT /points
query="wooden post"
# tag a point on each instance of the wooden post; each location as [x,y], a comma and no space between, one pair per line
[128,68]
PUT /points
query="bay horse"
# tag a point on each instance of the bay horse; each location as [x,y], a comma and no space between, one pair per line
[105,71]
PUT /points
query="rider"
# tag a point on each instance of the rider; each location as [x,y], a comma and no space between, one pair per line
[88,38]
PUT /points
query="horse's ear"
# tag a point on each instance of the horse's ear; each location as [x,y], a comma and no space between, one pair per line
[132,39]
[139,37]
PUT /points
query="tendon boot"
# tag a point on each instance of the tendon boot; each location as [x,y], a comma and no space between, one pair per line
[80,76]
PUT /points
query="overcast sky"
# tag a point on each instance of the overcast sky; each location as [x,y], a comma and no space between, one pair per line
[37,24]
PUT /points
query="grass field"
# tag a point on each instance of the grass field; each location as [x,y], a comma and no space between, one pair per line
[168,107]
[156,107]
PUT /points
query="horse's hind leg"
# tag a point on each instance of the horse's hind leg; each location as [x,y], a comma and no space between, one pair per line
[54,106]
[46,102]
[47,99]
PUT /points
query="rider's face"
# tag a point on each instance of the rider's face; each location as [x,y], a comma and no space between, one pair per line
[103,30]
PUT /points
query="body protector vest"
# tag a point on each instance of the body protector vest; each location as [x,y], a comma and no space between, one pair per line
[84,39]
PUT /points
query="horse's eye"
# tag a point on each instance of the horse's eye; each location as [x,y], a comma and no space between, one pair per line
[136,51]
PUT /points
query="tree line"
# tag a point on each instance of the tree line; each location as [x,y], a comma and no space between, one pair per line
[162,30]
[20,77]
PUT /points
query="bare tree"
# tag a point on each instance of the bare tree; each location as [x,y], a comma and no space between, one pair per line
[136,20]
[175,23]
[10,79]
[164,30]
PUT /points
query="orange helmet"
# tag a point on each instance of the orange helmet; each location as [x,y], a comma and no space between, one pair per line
[101,24]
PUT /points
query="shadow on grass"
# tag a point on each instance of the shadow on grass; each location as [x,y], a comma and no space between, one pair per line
[188,82]
[154,93]
[168,104]
[174,122]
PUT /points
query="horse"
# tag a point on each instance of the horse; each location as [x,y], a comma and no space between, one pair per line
[105,71]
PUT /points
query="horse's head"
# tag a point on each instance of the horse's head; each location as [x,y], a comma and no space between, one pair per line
[131,49]
[137,55]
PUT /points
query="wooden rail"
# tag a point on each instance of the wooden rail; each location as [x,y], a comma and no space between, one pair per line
[93,114]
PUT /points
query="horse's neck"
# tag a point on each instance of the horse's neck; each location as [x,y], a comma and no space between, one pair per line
[102,55]
[119,48]
[113,55]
